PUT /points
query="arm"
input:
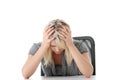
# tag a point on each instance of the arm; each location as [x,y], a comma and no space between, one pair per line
[32,62]
[81,60]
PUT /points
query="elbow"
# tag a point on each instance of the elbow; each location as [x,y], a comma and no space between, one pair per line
[25,74]
[89,73]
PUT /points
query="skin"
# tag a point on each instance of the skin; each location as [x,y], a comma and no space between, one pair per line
[82,60]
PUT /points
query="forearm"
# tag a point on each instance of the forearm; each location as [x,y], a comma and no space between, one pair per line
[84,65]
[33,62]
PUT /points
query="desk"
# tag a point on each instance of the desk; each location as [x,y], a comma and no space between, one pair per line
[64,78]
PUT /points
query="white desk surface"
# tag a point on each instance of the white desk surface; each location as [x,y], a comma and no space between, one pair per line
[64,78]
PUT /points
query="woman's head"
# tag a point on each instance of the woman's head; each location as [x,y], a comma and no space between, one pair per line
[57,45]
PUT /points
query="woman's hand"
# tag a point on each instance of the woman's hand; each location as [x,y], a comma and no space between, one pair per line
[47,38]
[66,35]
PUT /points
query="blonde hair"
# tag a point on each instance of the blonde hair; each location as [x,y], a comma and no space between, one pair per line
[48,56]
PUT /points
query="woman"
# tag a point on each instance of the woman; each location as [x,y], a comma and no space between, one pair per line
[58,53]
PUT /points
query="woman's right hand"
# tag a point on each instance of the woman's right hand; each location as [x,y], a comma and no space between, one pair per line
[47,38]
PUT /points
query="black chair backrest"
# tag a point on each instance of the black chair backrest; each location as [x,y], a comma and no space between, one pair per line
[89,41]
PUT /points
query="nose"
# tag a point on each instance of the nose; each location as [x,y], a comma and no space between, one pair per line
[56,48]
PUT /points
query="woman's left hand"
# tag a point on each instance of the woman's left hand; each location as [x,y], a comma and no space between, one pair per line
[66,35]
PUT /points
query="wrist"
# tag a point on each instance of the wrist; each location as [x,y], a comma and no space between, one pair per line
[44,46]
[70,45]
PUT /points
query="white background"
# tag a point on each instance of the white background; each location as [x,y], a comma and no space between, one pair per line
[22,23]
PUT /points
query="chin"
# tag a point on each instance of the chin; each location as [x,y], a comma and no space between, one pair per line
[57,52]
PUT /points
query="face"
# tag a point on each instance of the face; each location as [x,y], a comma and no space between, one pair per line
[54,47]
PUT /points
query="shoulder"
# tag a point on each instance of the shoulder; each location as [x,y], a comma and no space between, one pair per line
[34,48]
[80,45]
[77,42]
[37,44]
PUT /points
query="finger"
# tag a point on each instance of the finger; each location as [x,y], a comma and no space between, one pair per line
[62,33]
[62,30]
[50,33]
[68,29]
[47,27]
[62,38]
[46,33]
[49,30]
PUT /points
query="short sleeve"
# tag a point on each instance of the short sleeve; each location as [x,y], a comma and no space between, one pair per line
[81,46]
[34,48]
